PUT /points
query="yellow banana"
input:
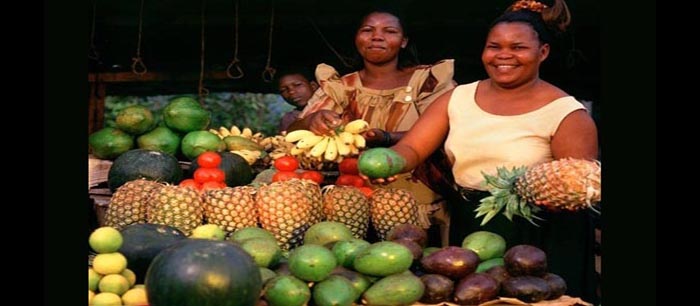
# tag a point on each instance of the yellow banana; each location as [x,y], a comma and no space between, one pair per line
[296,151]
[331,150]
[215,132]
[354,150]
[235,131]
[224,131]
[247,132]
[309,141]
[360,141]
[297,135]
[357,126]
[346,137]
[343,148]
[320,147]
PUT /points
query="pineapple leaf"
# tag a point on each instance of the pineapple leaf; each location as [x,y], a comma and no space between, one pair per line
[488,217]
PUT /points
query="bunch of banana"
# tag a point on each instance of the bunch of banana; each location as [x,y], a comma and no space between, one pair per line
[346,141]
[250,156]
[259,138]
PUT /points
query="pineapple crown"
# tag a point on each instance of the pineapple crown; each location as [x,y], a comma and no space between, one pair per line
[503,195]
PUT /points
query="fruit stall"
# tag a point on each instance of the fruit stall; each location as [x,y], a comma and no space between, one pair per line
[192,208]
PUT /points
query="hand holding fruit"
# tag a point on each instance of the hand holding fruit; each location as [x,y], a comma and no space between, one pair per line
[377,138]
[323,122]
[380,165]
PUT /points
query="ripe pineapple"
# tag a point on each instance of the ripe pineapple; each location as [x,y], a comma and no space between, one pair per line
[313,191]
[564,184]
[179,207]
[348,205]
[390,207]
[129,203]
[231,208]
[284,209]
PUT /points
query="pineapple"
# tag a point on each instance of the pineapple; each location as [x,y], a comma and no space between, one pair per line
[179,207]
[348,205]
[284,209]
[313,191]
[390,207]
[231,208]
[129,203]
[564,184]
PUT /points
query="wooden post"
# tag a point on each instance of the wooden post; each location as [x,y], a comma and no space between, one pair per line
[96,107]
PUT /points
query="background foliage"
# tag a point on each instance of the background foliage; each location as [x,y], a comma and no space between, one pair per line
[260,112]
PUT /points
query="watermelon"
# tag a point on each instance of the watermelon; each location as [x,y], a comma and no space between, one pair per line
[141,163]
[142,242]
[205,273]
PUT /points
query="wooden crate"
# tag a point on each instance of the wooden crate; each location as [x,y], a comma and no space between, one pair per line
[98,169]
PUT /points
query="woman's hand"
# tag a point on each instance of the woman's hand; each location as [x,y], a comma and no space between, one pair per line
[377,138]
[323,122]
[380,180]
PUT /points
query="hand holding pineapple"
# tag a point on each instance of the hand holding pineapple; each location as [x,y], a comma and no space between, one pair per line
[564,184]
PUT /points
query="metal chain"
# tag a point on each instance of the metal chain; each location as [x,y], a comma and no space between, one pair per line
[203,92]
[269,73]
[235,62]
[137,66]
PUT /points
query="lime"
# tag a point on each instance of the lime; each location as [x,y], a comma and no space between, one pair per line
[265,252]
[135,120]
[106,239]
[130,276]
[114,283]
[109,263]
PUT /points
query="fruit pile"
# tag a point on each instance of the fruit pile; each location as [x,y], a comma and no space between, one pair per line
[109,280]
[208,175]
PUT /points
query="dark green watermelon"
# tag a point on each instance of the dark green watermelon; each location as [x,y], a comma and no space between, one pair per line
[238,171]
[140,163]
[203,272]
[142,242]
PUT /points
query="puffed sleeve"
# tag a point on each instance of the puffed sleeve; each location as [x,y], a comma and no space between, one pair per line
[431,82]
[332,94]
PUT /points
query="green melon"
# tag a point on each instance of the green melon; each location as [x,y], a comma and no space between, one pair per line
[135,120]
[203,272]
[148,164]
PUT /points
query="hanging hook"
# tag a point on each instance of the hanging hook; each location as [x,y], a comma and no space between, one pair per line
[235,62]
[138,67]
[269,72]
[92,52]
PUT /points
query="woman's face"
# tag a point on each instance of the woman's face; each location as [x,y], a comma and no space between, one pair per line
[380,38]
[513,53]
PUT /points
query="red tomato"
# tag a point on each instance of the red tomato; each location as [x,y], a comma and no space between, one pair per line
[284,176]
[366,190]
[202,175]
[209,159]
[190,183]
[213,185]
[350,180]
[312,176]
[286,163]
[348,166]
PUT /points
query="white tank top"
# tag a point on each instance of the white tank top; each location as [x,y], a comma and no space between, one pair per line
[480,141]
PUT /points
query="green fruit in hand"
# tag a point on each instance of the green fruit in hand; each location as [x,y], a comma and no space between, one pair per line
[380,163]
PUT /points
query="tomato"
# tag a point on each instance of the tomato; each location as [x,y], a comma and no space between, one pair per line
[213,185]
[284,176]
[190,183]
[350,180]
[366,190]
[348,166]
[286,163]
[209,159]
[312,176]
[202,175]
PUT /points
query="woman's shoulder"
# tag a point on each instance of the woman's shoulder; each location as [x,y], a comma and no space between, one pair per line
[446,65]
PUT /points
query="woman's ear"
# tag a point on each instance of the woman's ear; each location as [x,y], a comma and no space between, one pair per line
[404,43]
[544,52]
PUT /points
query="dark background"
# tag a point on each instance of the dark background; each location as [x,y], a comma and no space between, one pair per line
[171,39]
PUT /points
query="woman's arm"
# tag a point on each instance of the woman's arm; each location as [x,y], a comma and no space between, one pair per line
[576,137]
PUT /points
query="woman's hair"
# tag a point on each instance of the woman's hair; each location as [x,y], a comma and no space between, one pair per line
[547,20]
[408,56]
